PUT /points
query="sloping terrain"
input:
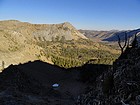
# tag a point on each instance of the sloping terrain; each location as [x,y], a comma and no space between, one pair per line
[18,40]
[118,86]
[109,36]
[130,34]
[22,42]
[42,32]
[16,49]
[72,53]
[98,35]
[32,84]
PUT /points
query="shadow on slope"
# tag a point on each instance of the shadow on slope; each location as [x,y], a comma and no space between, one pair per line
[32,83]
[118,86]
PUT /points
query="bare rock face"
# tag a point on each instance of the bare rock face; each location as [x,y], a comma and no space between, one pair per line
[52,31]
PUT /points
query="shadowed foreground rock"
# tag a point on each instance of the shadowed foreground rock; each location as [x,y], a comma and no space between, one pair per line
[33,83]
[120,85]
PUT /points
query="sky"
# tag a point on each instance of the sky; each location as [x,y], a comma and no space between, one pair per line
[83,14]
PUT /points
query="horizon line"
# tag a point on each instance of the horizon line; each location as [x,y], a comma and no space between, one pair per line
[72,25]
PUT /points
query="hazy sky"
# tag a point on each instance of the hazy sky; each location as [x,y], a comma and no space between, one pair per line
[83,14]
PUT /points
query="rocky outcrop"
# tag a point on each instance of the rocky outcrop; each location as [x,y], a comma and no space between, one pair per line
[57,31]
[118,86]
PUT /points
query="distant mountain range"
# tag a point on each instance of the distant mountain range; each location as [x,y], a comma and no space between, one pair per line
[130,34]
[97,35]
[110,36]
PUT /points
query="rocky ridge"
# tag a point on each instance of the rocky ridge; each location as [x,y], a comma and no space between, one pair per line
[18,40]
[118,86]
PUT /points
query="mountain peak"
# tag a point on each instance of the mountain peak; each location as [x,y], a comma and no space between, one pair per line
[66,23]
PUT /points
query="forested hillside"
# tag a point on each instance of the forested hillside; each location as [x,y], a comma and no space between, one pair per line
[73,53]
